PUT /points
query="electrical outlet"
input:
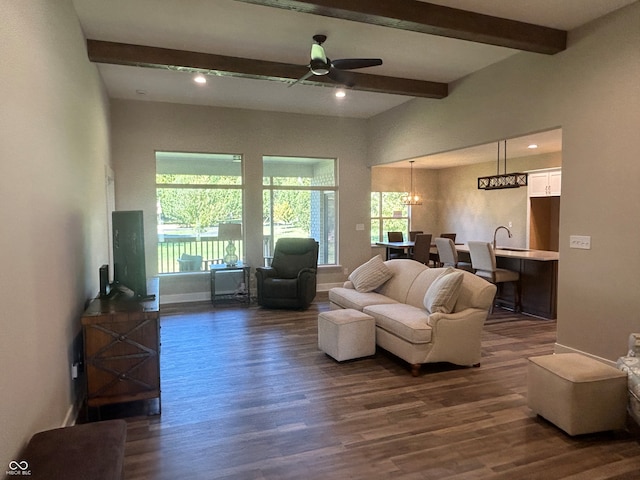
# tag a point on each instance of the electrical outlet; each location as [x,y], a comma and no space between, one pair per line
[360,226]
[346,270]
[510,224]
[580,241]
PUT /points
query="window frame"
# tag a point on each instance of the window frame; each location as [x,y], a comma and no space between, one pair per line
[378,221]
[328,248]
[205,242]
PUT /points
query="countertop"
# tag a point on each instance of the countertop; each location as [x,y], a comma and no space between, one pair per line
[521,253]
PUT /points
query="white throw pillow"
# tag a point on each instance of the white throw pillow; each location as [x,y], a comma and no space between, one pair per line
[370,275]
[442,294]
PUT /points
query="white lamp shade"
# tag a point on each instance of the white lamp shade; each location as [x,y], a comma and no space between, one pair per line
[229,231]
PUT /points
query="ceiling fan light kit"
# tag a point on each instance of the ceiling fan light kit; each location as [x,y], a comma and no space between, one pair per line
[321,65]
[505,180]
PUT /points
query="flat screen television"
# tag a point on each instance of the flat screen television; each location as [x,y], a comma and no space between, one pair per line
[129,273]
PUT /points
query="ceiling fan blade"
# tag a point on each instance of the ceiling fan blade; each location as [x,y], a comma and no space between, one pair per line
[341,77]
[301,79]
[353,63]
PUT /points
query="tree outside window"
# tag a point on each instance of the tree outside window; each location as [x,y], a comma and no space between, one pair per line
[195,193]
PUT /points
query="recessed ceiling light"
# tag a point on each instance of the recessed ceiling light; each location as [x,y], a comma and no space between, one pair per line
[532,146]
[200,79]
[141,92]
[340,93]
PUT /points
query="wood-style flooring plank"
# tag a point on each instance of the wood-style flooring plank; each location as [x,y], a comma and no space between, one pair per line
[246,394]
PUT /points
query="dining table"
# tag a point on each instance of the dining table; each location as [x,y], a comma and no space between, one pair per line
[389,246]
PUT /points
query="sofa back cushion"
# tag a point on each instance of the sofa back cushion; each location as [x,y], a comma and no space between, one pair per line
[405,272]
[475,292]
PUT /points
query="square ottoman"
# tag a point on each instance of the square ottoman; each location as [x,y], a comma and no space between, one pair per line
[577,393]
[346,334]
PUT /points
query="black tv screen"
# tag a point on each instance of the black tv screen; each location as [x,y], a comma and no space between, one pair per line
[128,252]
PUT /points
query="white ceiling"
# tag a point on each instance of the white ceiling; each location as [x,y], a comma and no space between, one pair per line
[546,142]
[229,27]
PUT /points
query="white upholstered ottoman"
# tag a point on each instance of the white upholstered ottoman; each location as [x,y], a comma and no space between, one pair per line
[577,393]
[346,334]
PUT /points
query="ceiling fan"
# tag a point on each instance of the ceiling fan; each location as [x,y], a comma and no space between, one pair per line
[334,69]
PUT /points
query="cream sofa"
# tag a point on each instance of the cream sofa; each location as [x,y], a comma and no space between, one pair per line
[405,328]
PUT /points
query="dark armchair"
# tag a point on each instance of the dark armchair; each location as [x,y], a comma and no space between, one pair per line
[290,281]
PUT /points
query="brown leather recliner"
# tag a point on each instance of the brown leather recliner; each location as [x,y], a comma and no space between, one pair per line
[290,281]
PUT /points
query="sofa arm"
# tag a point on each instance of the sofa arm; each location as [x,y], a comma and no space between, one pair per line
[457,337]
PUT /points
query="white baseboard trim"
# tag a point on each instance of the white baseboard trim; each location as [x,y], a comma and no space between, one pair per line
[325,287]
[559,348]
[186,297]
[206,296]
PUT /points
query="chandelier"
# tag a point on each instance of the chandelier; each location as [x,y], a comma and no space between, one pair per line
[412,198]
[505,180]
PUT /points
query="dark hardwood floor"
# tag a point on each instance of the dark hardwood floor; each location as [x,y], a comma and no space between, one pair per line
[246,394]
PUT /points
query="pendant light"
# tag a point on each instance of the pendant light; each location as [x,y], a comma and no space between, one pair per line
[505,180]
[411,198]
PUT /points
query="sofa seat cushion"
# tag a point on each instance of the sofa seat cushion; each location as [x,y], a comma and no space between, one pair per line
[350,298]
[404,321]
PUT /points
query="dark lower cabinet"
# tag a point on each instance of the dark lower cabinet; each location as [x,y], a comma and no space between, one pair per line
[538,284]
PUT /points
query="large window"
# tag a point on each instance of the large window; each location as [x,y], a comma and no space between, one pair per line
[195,193]
[388,214]
[299,200]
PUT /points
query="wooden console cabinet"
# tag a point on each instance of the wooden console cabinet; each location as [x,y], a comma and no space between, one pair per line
[122,349]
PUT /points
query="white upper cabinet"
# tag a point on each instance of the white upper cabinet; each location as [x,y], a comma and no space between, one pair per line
[545,183]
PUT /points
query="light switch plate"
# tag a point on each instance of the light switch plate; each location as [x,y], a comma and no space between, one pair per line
[580,241]
[359,226]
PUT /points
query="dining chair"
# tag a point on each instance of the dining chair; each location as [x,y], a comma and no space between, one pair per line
[483,261]
[422,247]
[448,255]
[395,252]
[412,237]
[452,236]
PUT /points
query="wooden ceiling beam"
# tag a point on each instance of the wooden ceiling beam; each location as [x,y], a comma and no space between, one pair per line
[433,19]
[181,60]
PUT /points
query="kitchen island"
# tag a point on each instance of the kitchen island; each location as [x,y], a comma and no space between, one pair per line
[538,278]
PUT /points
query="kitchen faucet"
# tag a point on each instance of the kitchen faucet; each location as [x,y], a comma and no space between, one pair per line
[496,232]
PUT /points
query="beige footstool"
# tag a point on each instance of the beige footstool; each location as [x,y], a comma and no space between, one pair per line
[346,334]
[577,393]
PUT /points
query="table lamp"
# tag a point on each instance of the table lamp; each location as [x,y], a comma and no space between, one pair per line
[230,232]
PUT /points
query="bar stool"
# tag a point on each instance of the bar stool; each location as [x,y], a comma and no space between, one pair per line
[483,261]
[448,255]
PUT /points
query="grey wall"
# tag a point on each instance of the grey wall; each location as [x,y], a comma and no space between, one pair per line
[474,214]
[453,203]
[592,91]
[140,128]
[54,147]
